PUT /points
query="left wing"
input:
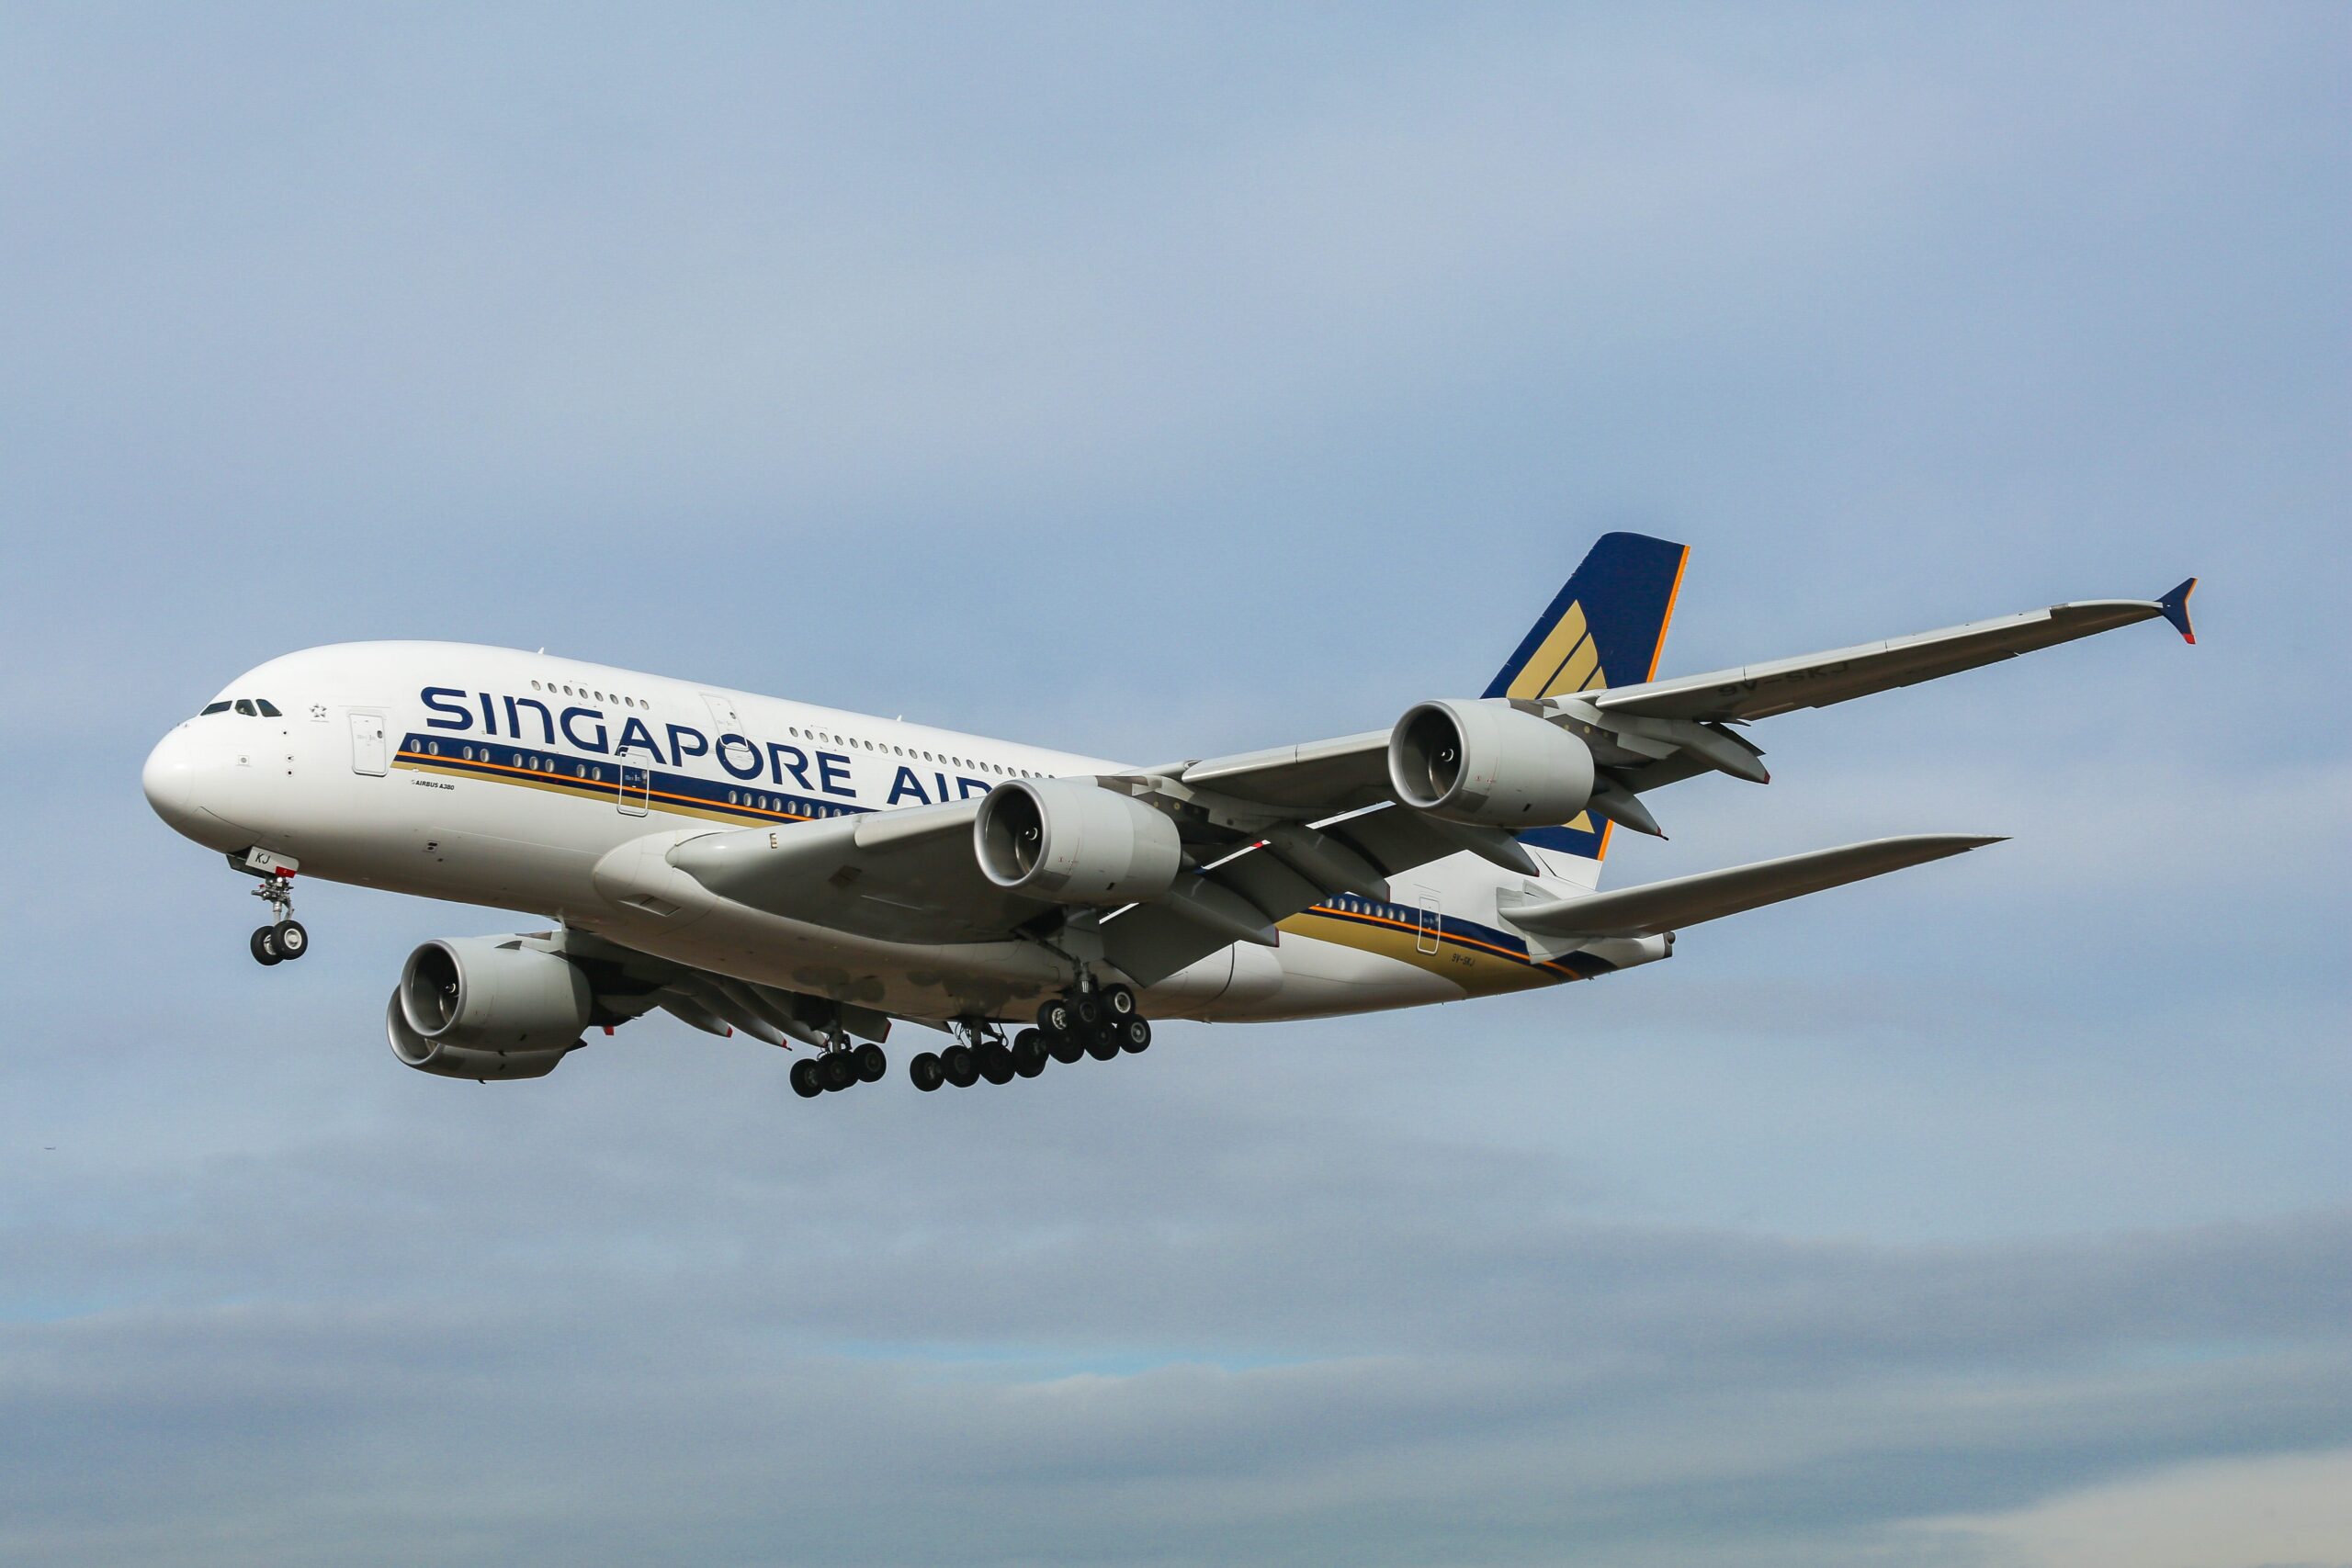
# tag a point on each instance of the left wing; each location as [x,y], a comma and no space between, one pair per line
[1263,836]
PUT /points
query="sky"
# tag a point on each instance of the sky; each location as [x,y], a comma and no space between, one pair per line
[1155,380]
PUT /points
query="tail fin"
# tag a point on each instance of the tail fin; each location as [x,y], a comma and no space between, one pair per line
[1605,628]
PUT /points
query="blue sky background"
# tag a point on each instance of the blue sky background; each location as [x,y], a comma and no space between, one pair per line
[1155,380]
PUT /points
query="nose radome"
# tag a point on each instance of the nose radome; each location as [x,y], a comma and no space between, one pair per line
[169,777]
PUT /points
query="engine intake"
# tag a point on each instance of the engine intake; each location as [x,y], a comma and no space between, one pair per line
[490,994]
[447,1061]
[1075,844]
[1489,765]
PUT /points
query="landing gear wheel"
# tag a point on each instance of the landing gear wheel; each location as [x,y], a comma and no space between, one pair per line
[925,1072]
[1064,1048]
[1087,1009]
[835,1070]
[265,945]
[956,1062]
[1103,1043]
[995,1060]
[290,940]
[1028,1053]
[1055,1020]
[871,1064]
[805,1079]
[1118,1003]
[1135,1035]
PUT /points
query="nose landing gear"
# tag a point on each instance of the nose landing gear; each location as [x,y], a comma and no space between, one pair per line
[284,937]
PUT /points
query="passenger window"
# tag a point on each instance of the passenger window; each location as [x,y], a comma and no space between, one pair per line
[213,708]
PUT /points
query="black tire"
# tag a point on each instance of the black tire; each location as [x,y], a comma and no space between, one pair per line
[1103,1044]
[956,1062]
[1118,1003]
[1135,1035]
[1087,1010]
[1055,1021]
[925,1072]
[290,940]
[995,1060]
[1028,1054]
[872,1064]
[804,1079]
[835,1070]
[265,946]
[1065,1049]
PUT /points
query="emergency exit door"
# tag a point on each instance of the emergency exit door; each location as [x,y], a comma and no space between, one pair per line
[636,793]
[370,754]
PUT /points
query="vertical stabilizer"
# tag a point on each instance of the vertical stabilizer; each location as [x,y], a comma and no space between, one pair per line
[1604,627]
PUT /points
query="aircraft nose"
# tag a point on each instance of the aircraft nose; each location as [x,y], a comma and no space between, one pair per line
[169,779]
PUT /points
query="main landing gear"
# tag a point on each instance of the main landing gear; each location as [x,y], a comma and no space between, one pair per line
[1092,1022]
[842,1067]
[284,937]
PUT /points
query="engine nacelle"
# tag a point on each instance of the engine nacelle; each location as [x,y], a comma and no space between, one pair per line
[1489,765]
[1075,844]
[460,1061]
[490,994]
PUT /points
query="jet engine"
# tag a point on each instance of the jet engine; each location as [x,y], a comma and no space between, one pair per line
[486,1007]
[1489,765]
[1075,844]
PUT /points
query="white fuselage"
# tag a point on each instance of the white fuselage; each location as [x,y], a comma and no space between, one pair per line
[536,783]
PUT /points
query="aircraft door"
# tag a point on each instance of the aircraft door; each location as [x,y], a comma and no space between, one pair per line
[370,753]
[1426,928]
[635,796]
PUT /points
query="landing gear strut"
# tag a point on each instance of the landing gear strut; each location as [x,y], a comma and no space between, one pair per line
[284,937]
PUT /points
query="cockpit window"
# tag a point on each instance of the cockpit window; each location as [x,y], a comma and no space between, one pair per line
[213,707]
[268,709]
[246,707]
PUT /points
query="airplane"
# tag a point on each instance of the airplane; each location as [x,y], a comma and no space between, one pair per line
[809,877]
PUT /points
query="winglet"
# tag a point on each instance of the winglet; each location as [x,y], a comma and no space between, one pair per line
[2175,605]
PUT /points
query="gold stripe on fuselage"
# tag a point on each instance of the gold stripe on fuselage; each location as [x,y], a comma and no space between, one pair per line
[1480,968]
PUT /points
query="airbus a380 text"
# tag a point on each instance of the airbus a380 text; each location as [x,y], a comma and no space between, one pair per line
[809,877]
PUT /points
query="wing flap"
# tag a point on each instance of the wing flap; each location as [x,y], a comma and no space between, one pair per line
[1688,900]
[1326,776]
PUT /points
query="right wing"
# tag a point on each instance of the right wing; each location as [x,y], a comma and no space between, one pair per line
[1658,732]
[1817,680]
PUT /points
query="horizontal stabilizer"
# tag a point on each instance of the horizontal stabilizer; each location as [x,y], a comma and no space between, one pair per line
[1711,895]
